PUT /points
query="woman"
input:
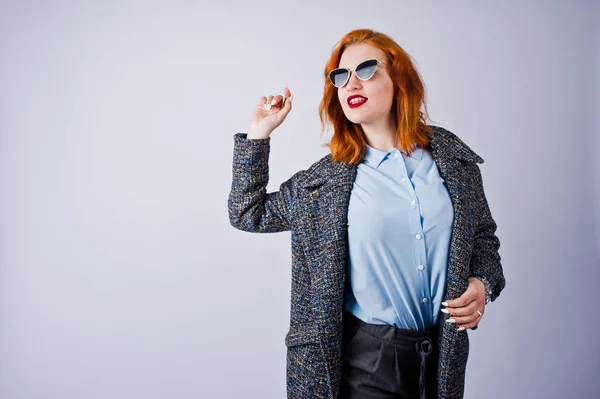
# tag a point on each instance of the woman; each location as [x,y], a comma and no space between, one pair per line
[394,255]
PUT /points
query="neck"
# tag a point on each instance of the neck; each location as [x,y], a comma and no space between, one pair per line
[381,134]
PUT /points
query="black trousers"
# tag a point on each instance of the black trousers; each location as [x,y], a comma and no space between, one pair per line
[384,362]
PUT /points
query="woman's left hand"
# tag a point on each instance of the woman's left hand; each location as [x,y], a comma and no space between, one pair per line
[463,310]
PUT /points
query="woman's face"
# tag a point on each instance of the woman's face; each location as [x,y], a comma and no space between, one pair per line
[378,92]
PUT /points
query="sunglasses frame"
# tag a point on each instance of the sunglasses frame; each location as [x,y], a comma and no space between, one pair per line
[349,71]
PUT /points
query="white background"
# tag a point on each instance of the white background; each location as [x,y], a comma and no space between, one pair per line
[120,275]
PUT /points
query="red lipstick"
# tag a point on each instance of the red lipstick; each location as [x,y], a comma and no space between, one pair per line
[357,103]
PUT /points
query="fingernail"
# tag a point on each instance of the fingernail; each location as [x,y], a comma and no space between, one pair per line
[445,303]
[291,97]
[450,321]
[268,106]
[461,328]
[273,101]
[445,311]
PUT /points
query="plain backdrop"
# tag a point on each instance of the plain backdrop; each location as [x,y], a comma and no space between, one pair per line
[120,275]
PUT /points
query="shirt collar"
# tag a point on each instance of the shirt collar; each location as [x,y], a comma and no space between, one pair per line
[375,156]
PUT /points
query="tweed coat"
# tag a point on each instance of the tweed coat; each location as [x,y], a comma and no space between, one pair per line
[313,205]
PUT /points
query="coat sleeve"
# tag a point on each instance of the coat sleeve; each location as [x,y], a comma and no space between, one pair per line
[485,261]
[250,207]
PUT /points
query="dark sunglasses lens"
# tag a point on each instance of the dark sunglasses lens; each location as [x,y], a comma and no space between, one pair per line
[338,77]
[366,70]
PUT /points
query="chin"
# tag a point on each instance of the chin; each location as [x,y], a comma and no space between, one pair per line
[354,117]
[357,119]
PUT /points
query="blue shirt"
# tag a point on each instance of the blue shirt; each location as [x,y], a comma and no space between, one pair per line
[399,227]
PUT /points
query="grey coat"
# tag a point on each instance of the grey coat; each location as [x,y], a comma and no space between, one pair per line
[313,205]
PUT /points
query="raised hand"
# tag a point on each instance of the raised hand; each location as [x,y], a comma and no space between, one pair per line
[270,112]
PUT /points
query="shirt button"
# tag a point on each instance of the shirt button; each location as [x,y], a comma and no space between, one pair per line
[412,203]
[395,155]
[418,236]
[420,267]
[403,180]
[425,300]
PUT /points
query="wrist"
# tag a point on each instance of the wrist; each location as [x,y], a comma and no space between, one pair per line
[256,134]
[488,288]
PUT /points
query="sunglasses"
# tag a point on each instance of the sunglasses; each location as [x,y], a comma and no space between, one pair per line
[364,71]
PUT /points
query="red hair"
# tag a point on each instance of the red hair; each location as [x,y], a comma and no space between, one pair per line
[348,142]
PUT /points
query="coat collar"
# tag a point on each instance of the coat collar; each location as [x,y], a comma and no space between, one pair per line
[443,145]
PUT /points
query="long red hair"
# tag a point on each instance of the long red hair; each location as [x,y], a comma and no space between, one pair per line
[348,142]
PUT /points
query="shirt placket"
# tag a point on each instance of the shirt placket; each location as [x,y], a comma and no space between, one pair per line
[418,237]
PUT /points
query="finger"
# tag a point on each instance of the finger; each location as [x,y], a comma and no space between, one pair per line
[459,302]
[267,104]
[277,101]
[465,310]
[286,107]
[468,325]
[463,300]
[261,101]
[286,97]
[460,320]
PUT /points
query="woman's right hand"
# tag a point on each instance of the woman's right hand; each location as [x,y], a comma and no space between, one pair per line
[270,112]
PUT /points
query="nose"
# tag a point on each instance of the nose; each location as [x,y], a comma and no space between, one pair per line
[353,82]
